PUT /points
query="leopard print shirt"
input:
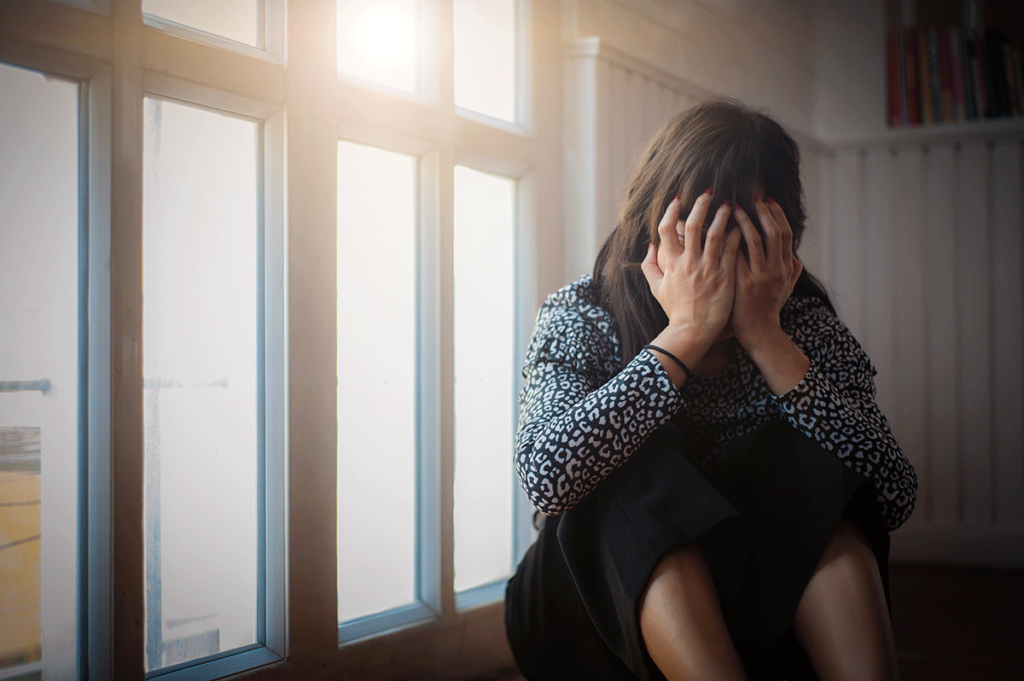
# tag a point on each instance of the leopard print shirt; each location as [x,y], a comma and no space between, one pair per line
[582,417]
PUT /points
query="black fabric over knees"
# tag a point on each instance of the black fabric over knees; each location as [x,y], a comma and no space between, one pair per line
[763,517]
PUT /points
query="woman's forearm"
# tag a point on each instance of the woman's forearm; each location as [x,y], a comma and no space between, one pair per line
[781,362]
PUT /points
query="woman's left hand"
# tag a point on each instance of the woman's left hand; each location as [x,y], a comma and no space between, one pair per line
[764,282]
[766,277]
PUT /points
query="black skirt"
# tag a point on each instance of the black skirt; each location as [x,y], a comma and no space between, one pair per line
[763,516]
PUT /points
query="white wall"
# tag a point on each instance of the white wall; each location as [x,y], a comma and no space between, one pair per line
[761,52]
[629,64]
[849,70]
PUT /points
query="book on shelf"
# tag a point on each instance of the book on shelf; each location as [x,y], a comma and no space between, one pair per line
[952,74]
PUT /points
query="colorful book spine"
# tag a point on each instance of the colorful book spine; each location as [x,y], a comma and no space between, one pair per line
[955,41]
[978,70]
[970,83]
[1018,69]
[897,96]
[934,74]
[947,99]
[997,64]
[1012,85]
[991,108]
[911,75]
[924,81]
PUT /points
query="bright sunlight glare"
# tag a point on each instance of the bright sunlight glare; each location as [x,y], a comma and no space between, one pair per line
[377,41]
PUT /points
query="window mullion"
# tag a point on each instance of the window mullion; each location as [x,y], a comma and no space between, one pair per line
[430,412]
[312,331]
[127,474]
[445,66]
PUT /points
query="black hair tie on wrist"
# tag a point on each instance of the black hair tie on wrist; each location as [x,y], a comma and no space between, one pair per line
[689,374]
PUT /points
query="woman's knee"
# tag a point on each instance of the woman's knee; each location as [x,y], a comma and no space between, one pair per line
[681,619]
[849,553]
[682,575]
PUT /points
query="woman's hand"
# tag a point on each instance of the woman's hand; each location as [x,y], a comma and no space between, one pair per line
[694,283]
[763,285]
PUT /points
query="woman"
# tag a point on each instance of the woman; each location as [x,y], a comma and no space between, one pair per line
[701,433]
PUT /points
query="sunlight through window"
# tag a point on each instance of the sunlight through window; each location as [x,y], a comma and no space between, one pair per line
[377,41]
[376,380]
[485,57]
[39,374]
[237,20]
[201,382]
[484,370]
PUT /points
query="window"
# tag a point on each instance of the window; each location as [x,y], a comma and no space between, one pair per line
[202,383]
[257,424]
[377,400]
[40,390]
[485,365]
[446,287]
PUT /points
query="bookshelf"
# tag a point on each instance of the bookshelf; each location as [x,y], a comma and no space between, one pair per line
[954,62]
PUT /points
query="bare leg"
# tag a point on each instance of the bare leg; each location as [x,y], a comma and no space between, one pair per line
[681,620]
[841,621]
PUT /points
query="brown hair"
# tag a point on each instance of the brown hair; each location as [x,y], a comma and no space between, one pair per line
[722,144]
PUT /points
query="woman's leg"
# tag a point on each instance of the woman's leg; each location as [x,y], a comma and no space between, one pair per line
[842,621]
[681,620]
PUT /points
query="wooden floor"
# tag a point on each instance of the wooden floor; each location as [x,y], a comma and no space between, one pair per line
[956,624]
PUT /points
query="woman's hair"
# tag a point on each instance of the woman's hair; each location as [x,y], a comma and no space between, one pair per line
[722,144]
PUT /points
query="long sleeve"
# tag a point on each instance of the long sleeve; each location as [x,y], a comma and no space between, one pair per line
[579,418]
[835,405]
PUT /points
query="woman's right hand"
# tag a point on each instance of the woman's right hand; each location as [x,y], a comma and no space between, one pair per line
[695,283]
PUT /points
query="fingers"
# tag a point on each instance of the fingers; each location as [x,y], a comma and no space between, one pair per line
[695,225]
[716,233]
[652,272]
[755,249]
[770,212]
[667,230]
[730,252]
[798,268]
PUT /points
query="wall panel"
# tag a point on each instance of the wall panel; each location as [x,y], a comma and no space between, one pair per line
[878,271]
[973,244]
[908,417]
[1009,339]
[939,252]
[937,302]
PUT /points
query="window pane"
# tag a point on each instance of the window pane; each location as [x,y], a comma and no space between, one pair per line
[377,41]
[484,406]
[237,20]
[201,342]
[39,391]
[485,57]
[376,380]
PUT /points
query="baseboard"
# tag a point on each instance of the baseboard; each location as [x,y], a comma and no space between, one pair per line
[960,545]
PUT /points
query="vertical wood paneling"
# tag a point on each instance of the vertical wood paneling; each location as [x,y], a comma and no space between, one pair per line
[825,226]
[607,215]
[617,144]
[847,252]
[879,271]
[975,367]
[908,416]
[809,251]
[636,120]
[939,247]
[1008,343]
[617,123]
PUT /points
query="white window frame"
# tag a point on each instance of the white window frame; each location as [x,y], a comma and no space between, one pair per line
[292,85]
[270,568]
